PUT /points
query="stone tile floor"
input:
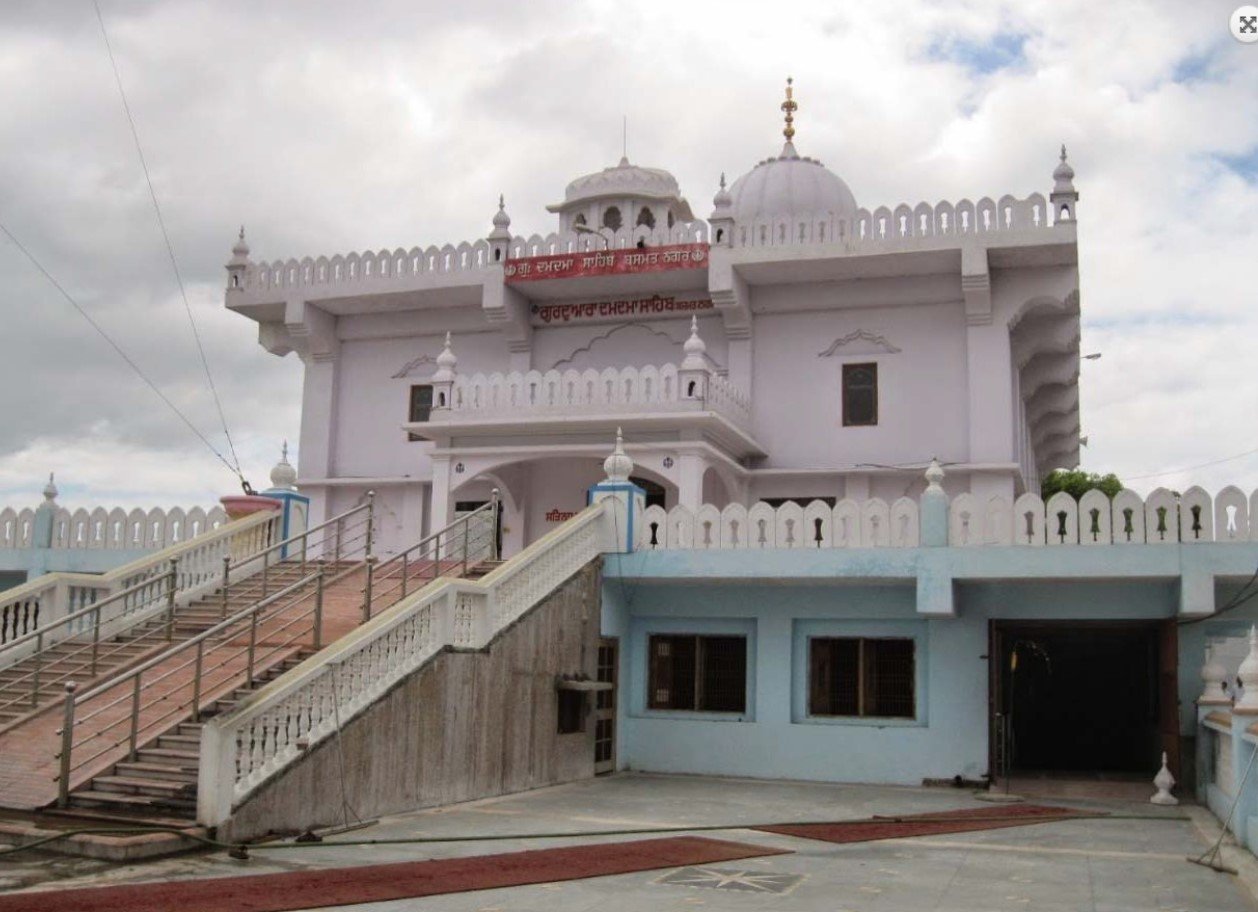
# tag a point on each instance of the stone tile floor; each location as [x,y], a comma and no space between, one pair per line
[1117,865]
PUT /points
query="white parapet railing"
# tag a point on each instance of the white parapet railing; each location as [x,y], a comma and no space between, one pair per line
[111,530]
[193,567]
[611,391]
[379,269]
[1162,518]
[886,226]
[272,729]
[848,524]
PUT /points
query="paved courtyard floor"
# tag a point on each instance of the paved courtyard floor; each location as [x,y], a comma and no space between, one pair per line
[1133,862]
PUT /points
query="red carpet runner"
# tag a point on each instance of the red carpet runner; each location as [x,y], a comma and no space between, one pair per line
[960,821]
[376,883]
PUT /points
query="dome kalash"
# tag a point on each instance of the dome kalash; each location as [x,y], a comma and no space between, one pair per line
[625,196]
[789,193]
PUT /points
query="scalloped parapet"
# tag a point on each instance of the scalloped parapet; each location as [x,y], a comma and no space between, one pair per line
[890,226]
[112,530]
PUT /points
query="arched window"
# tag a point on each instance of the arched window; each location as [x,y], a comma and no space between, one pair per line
[611,218]
[580,219]
[646,217]
[671,220]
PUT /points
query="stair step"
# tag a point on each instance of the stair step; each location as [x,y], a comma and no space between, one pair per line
[179,742]
[93,798]
[186,759]
[124,815]
[140,769]
[129,785]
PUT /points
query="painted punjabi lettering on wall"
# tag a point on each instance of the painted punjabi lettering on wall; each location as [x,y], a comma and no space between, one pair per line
[592,311]
[607,262]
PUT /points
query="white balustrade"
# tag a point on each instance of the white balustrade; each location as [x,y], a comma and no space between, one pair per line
[243,749]
[112,530]
[626,390]
[198,565]
[390,267]
[885,226]
[1093,520]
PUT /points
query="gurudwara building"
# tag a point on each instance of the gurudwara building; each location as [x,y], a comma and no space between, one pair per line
[753,495]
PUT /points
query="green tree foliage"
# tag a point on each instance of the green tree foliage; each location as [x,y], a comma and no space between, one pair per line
[1077,482]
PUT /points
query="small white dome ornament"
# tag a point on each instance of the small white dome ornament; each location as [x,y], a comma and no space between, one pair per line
[1163,782]
[695,348]
[241,247]
[284,476]
[1248,675]
[723,201]
[502,222]
[618,465]
[446,362]
[1213,677]
[934,475]
[50,490]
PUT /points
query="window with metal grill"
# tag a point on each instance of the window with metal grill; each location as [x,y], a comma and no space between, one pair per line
[860,395]
[703,673]
[571,711]
[850,676]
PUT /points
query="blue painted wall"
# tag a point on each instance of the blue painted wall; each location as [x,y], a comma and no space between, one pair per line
[778,599]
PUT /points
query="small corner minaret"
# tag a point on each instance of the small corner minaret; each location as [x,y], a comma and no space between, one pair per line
[443,378]
[696,367]
[1064,198]
[722,218]
[500,237]
[239,262]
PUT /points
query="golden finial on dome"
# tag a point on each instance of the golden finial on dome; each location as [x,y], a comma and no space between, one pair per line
[790,106]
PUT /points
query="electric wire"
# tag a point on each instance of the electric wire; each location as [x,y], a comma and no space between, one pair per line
[170,250]
[240,849]
[116,347]
[1193,468]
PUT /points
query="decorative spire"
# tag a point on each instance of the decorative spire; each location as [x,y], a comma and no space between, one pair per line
[1248,674]
[934,475]
[695,348]
[1163,782]
[50,490]
[618,465]
[446,362]
[789,107]
[502,222]
[241,247]
[1213,675]
[723,199]
[284,476]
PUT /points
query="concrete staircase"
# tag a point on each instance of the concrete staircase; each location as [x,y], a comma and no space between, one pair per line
[71,660]
[160,784]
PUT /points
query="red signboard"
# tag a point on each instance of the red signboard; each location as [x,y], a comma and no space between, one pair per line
[607,262]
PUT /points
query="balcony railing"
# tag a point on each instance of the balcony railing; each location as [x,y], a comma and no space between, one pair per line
[610,392]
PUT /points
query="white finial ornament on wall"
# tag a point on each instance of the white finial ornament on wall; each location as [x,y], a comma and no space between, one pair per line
[618,465]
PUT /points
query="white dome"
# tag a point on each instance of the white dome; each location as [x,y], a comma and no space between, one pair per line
[623,180]
[790,185]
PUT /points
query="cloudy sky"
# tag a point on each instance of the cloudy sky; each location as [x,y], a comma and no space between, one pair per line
[327,126]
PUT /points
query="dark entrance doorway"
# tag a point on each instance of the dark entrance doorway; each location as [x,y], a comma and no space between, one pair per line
[1082,697]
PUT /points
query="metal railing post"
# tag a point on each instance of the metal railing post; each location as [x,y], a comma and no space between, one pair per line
[196,682]
[318,611]
[135,717]
[371,519]
[406,559]
[227,562]
[371,572]
[253,642]
[95,639]
[466,523]
[266,568]
[172,585]
[336,531]
[39,666]
[67,742]
[495,499]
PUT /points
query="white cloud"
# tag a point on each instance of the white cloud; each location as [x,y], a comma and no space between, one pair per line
[334,127]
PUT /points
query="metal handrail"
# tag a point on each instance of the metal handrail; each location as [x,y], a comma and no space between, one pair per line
[171,577]
[403,558]
[250,614]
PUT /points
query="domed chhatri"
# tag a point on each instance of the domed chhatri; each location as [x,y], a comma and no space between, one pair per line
[790,184]
[283,475]
[623,196]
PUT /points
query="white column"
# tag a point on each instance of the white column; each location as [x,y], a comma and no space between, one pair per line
[318,428]
[439,495]
[690,469]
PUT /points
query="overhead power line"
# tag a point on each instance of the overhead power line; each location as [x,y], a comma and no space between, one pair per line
[1193,468]
[115,346]
[170,250]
